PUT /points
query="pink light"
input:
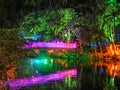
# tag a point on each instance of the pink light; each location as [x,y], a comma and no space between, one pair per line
[49,45]
[34,80]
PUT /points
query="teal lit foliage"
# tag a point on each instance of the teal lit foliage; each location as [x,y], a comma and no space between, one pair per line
[31,67]
[42,62]
[48,23]
[24,69]
[84,59]
[109,19]
[42,65]
[38,64]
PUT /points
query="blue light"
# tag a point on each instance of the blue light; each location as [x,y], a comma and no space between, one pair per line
[108,42]
[92,44]
[118,37]
[103,43]
[98,43]
[23,34]
[35,37]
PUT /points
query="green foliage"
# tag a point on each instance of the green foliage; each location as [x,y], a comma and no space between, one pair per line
[84,58]
[109,82]
[67,15]
[101,19]
[109,20]
[47,23]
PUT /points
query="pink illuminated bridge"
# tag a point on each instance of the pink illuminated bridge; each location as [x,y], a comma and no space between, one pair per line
[49,45]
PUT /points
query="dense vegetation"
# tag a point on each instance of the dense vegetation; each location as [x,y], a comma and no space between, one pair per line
[67,20]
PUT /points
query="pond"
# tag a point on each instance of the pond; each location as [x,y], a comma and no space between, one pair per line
[60,70]
[81,78]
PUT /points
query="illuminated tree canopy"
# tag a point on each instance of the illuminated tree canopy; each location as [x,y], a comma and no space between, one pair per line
[49,22]
[110,19]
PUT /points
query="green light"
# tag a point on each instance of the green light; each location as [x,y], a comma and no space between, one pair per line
[70,82]
[45,61]
[41,61]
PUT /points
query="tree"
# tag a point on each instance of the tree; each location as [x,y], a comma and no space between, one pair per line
[48,23]
[10,55]
[109,20]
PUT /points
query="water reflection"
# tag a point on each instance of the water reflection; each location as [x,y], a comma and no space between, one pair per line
[41,79]
[87,78]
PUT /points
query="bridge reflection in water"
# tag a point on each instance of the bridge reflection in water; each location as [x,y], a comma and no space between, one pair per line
[41,79]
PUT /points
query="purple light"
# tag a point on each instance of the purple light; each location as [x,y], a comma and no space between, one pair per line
[34,80]
[49,45]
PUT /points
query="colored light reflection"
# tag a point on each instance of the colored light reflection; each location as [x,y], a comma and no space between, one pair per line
[42,61]
[40,79]
[49,45]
